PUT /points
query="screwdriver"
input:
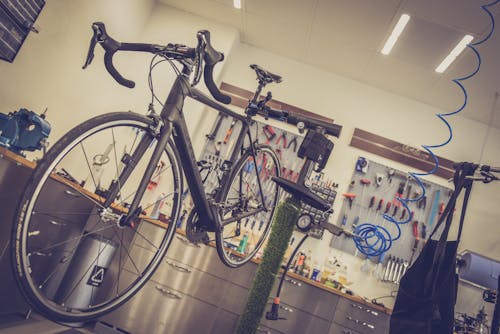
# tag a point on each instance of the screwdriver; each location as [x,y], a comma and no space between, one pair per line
[387,207]
[379,207]
[372,202]
[229,132]
[415,245]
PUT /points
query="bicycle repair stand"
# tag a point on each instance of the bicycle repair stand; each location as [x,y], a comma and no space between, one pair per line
[315,149]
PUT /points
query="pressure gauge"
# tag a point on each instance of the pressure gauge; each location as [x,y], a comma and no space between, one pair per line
[304,222]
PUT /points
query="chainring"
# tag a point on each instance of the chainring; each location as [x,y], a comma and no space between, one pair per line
[194,231]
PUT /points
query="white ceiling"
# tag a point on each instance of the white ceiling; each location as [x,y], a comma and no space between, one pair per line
[345,36]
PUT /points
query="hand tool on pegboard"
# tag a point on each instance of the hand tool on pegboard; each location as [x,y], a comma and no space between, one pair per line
[397,267]
[399,195]
[423,233]
[269,133]
[370,207]
[364,183]
[282,139]
[378,210]
[294,143]
[391,263]
[402,270]
[229,132]
[417,238]
[434,209]
[215,131]
[350,197]
[387,268]
[379,178]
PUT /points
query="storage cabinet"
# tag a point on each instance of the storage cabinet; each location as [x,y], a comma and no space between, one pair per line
[192,291]
[13,178]
[192,285]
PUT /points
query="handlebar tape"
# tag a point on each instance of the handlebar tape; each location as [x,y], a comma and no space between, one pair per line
[212,87]
[108,62]
[211,58]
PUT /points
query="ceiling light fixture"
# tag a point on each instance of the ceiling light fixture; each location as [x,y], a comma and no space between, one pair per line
[454,53]
[237,4]
[398,29]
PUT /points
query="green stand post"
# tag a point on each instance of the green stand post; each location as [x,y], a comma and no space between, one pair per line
[284,221]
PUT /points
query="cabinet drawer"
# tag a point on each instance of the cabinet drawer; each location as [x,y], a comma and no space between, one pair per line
[234,298]
[309,298]
[201,257]
[156,309]
[297,321]
[337,329]
[363,312]
[225,323]
[180,277]
[359,324]
[206,259]
[266,330]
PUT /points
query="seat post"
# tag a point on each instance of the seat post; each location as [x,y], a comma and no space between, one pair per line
[258,90]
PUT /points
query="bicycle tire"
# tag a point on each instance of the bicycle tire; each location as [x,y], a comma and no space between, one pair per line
[232,249]
[76,247]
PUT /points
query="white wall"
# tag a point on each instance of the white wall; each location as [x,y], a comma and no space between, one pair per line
[48,70]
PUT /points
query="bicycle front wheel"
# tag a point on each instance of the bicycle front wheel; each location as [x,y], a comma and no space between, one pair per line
[72,258]
[238,241]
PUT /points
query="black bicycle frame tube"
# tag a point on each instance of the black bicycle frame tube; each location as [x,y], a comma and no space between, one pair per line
[176,125]
[245,130]
[203,98]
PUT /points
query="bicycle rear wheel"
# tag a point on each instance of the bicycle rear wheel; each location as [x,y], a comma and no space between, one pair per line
[72,258]
[237,242]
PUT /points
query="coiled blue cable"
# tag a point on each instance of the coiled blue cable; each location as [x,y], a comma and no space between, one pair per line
[375,240]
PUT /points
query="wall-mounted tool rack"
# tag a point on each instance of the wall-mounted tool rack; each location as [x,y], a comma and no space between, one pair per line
[373,192]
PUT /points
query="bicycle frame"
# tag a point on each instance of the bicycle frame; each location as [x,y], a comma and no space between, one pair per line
[173,124]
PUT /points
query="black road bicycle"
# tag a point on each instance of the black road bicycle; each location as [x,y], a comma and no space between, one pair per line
[94,197]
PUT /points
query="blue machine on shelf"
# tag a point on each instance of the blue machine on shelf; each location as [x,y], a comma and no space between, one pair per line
[23,130]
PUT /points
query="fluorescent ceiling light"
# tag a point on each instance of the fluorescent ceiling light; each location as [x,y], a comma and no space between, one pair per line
[237,4]
[398,29]
[454,53]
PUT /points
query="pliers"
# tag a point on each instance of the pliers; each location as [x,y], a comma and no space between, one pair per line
[282,136]
[294,142]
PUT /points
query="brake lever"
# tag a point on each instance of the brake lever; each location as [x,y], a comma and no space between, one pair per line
[96,37]
[198,61]
[90,53]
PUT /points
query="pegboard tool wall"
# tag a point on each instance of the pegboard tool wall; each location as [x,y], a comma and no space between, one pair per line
[285,143]
[373,191]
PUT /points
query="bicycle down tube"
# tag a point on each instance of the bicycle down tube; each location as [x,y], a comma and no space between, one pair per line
[245,130]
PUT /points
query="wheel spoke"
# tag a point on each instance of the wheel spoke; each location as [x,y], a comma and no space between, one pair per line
[88,165]
[129,256]
[73,239]
[244,197]
[84,274]
[133,193]
[146,239]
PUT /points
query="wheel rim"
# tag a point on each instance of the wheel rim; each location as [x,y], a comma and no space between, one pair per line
[241,240]
[58,276]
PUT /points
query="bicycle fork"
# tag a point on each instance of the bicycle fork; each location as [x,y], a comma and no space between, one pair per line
[130,162]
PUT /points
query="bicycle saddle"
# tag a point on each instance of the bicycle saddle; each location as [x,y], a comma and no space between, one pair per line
[265,76]
[303,193]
